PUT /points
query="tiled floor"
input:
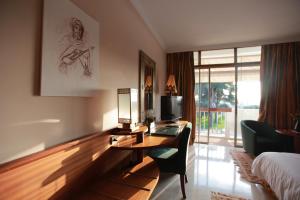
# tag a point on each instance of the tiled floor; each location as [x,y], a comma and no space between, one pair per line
[210,168]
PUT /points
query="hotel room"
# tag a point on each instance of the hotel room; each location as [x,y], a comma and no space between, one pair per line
[161,99]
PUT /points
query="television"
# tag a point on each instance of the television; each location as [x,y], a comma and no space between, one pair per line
[171,108]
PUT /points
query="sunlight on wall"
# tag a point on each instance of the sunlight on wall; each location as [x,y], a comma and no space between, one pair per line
[36,148]
[110,119]
[51,121]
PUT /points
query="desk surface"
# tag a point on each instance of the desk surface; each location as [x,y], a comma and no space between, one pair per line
[150,141]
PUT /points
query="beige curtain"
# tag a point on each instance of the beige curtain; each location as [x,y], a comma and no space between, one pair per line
[181,65]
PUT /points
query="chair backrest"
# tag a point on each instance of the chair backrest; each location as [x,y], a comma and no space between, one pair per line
[182,156]
[261,128]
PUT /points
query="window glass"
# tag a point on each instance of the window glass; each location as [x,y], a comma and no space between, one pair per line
[196,58]
[217,56]
[248,54]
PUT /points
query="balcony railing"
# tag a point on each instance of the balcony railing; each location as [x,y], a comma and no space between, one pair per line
[221,123]
[213,118]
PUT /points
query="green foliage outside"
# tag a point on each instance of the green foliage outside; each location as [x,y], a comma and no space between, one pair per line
[222,94]
[217,122]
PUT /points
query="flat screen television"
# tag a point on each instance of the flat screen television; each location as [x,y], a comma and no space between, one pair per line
[171,108]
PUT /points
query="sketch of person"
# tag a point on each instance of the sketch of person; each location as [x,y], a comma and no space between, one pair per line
[76,49]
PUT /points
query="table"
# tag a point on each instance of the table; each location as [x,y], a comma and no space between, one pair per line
[150,141]
[294,134]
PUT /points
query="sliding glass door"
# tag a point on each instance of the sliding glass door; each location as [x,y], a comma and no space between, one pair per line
[215,104]
[227,90]
[248,94]
[202,105]
[222,105]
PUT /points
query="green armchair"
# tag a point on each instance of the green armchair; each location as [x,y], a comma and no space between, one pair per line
[174,160]
[259,137]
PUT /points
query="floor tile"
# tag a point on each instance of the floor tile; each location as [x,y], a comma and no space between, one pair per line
[210,168]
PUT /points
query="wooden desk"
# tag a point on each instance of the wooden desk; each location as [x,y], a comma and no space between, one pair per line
[294,134]
[150,141]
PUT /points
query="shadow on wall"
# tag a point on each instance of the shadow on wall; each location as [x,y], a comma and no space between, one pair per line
[26,137]
[21,138]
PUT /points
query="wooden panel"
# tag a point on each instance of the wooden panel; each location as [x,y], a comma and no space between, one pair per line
[50,174]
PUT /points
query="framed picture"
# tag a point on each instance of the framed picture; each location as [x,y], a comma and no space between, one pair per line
[70,51]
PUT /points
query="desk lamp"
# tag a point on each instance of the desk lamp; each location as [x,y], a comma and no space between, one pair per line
[171,85]
[128,107]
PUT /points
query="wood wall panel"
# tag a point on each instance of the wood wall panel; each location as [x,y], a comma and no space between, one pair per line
[50,174]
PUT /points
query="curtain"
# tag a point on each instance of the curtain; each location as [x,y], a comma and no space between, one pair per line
[280,84]
[182,66]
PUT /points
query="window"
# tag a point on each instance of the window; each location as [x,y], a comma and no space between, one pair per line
[217,56]
[227,90]
[226,56]
[196,58]
[248,54]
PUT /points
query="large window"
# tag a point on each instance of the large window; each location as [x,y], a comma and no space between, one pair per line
[227,90]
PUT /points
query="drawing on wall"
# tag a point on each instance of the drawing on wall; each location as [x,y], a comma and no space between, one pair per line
[70,51]
[76,49]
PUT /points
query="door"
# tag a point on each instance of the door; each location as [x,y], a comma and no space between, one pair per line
[202,105]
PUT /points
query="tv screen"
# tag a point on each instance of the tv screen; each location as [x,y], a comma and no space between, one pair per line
[171,107]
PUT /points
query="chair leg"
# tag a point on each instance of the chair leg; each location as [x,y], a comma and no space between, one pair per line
[186,180]
[182,185]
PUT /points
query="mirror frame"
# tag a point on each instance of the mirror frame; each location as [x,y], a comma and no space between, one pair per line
[145,60]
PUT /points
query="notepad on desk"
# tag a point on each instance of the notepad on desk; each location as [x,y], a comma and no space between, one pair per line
[166,131]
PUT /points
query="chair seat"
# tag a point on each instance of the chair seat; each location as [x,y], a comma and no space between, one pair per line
[163,153]
[265,140]
[265,144]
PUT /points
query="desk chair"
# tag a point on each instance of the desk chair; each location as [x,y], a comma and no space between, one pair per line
[174,160]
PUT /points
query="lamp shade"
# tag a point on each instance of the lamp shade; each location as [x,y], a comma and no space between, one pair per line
[171,85]
[148,83]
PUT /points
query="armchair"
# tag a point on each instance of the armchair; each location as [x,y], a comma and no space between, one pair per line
[259,137]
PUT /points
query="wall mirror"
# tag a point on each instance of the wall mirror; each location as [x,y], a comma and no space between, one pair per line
[147,85]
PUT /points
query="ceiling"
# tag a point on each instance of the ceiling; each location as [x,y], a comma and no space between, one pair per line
[181,25]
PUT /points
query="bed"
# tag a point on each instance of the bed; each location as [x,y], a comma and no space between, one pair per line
[281,171]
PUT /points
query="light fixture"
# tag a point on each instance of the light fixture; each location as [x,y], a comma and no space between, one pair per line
[128,107]
[148,84]
[171,85]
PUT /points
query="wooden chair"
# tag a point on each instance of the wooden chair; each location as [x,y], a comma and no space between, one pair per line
[174,160]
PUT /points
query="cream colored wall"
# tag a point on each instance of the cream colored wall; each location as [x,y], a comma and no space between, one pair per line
[29,122]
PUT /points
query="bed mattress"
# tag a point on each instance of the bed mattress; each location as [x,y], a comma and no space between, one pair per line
[281,171]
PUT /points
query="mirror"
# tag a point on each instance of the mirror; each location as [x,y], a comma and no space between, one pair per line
[147,85]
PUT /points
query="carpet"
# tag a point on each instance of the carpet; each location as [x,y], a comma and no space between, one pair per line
[244,161]
[222,196]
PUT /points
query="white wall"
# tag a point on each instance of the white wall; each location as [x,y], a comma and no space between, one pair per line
[29,122]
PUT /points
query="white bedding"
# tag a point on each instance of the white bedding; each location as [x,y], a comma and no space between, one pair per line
[281,171]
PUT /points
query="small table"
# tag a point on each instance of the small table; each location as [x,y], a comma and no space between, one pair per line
[150,141]
[294,134]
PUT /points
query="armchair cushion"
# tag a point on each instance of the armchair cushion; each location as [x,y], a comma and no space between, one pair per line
[265,144]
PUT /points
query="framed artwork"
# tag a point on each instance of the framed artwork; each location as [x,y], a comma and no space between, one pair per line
[70,51]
